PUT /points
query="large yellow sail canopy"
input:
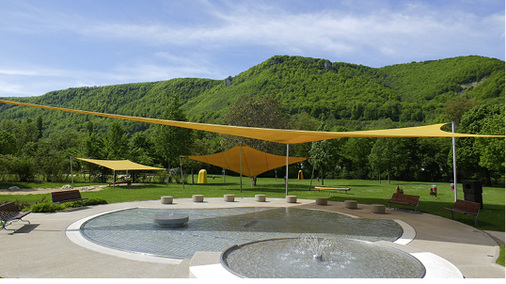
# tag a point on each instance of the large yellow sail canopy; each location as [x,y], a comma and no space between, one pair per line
[278,135]
[246,160]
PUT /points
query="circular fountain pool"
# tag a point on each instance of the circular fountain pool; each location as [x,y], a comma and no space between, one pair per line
[338,258]
[218,229]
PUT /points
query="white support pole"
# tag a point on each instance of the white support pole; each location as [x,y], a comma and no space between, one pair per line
[168,174]
[71,172]
[286,181]
[181,166]
[240,166]
[454,164]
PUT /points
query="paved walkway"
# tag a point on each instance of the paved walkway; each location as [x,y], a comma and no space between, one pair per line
[43,250]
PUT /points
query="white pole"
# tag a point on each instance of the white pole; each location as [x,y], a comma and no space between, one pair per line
[181,166]
[286,181]
[71,172]
[240,165]
[454,164]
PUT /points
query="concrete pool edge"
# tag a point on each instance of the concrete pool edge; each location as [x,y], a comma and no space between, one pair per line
[215,270]
[435,267]
[73,233]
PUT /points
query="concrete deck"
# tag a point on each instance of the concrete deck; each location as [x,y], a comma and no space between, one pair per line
[43,249]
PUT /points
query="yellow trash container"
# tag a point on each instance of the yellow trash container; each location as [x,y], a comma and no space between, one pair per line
[300,175]
[202,176]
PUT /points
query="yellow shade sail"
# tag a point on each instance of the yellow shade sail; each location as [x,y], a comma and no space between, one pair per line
[252,161]
[278,135]
[121,165]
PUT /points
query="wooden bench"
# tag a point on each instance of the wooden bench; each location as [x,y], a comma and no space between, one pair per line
[345,189]
[467,208]
[66,196]
[10,213]
[404,199]
[120,182]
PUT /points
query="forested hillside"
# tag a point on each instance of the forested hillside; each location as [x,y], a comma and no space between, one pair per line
[406,93]
[312,94]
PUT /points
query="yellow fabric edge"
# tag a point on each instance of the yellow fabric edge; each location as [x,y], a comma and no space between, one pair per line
[279,135]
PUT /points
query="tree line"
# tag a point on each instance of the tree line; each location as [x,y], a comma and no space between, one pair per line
[25,153]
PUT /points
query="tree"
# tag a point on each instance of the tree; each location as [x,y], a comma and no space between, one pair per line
[141,148]
[54,152]
[172,142]
[39,127]
[303,121]
[116,142]
[24,167]
[140,151]
[397,156]
[482,119]
[492,149]
[52,162]
[6,166]
[93,148]
[354,157]
[265,112]
[27,135]
[381,158]
[324,155]
[455,108]
[8,143]
[432,156]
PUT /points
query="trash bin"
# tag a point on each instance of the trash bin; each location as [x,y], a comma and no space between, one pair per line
[473,191]
[202,176]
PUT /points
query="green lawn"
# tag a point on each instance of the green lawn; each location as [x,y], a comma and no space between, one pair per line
[364,191]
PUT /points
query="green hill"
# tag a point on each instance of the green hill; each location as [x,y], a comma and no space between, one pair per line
[410,93]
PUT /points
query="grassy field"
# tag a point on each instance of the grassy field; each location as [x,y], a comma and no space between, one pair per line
[491,217]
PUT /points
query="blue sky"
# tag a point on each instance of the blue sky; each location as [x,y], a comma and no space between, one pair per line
[58,44]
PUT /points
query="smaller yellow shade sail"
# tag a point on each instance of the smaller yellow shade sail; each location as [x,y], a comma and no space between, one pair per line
[253,162]
[120,165]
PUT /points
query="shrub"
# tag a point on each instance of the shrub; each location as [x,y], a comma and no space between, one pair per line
[94,201]
[46,207]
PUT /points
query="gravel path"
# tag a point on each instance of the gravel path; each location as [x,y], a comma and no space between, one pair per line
[25,191]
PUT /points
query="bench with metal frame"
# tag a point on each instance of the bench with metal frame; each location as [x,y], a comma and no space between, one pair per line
[404,199]
[9,213]
[66,196]
[465,207]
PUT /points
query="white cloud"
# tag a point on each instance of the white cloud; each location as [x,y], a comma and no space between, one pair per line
[216,39]
[32,71]
[402,33]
